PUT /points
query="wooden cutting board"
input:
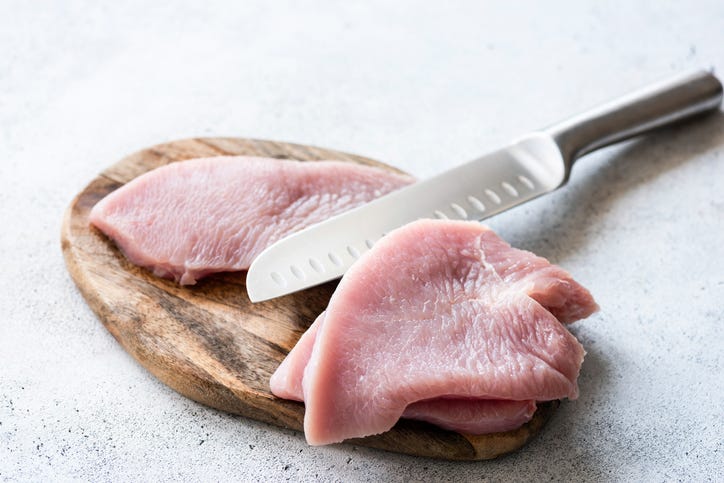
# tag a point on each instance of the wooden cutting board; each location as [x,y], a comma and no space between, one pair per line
[207,341]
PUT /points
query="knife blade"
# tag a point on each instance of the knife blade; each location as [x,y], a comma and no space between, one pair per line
[530,167]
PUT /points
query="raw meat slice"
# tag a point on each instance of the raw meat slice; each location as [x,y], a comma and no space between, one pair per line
[193,218]
[286,382]
[425,314]
[548,284]
[475,416]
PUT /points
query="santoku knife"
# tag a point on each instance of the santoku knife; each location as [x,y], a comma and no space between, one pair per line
[534,165]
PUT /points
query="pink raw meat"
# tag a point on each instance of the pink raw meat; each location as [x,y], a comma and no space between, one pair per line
[475,416]
[440,309]
[189,219]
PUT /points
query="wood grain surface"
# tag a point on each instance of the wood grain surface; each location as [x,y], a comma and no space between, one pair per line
[207,341]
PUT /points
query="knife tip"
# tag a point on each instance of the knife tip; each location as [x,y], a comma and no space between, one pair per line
[252,284]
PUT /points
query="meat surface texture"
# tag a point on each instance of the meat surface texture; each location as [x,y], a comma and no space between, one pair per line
[475,416]
[439,312]
[193,218]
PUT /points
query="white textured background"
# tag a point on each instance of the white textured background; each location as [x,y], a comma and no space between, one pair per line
[422,85]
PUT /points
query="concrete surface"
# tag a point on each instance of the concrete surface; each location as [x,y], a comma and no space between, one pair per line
[418,84]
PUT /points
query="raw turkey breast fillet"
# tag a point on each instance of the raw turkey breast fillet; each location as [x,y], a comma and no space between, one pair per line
[192,218]
[441,321]
[476,416]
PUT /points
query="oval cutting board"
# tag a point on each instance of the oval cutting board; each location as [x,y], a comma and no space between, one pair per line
[207,341]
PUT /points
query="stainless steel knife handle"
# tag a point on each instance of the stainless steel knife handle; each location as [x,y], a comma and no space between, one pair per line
[653,106]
